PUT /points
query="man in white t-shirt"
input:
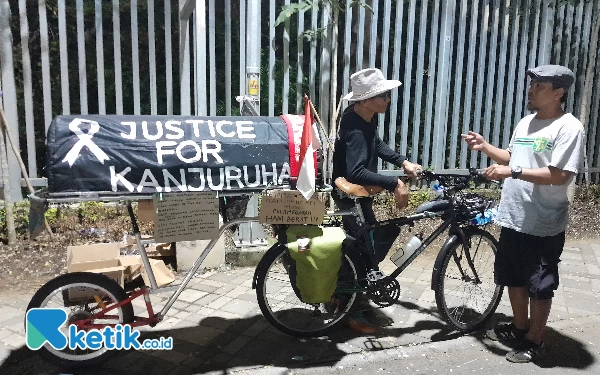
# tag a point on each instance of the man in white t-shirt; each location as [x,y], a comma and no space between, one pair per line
[542,160]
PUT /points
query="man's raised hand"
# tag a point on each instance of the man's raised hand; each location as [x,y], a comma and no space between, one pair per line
[474,140]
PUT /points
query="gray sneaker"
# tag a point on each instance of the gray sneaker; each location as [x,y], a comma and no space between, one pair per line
[506,333]
[528,352]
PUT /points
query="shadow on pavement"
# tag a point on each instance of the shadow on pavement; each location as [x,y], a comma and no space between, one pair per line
[217,345]
[562,351]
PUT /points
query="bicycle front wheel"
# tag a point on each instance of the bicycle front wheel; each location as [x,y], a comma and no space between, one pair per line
[280,300]
[466,294]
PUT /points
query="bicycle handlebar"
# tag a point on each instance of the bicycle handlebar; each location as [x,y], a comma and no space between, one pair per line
[473,176]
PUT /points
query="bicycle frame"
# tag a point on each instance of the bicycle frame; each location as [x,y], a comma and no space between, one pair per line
[456,233]
[146,291]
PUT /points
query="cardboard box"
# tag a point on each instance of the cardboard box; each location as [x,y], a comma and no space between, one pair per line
[105,258]
[97,258]
[94,256]
[153,250]
[132,265]
[146,210]
[162,274]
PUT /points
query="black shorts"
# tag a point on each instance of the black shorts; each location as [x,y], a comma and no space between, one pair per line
[529,261]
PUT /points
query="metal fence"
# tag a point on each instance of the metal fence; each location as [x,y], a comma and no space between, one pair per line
[462,64]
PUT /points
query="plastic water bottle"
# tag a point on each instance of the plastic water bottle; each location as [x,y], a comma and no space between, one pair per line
[488,217]
[438,190]
[409,248]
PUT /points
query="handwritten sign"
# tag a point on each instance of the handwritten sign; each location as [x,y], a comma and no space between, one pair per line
[290,207]
[186,216]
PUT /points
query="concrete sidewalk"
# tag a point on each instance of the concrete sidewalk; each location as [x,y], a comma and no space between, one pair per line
[218,328]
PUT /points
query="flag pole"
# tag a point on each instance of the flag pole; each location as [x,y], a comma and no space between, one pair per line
[319,120]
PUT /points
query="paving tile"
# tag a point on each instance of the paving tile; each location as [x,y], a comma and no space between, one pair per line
[567,291]
[18,322]
[186,347]
[225,289]
[250,296]
[202,336]
[14,340]
[219,302]
[193,362]
[10,312]
[216,284]
[181,370]
[237,291]
[260,349]
[206,311]
[195,318]
[172,356]
[578,303]
[576,284]
[180,305]
[571,256]
[183,324]
[203,287]
[224,277]
[592,269]
[5,333]
[256,328]
[182,314]
[191,295]
[241,307]
[168,323]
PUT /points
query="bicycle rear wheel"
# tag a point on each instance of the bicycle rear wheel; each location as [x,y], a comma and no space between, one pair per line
[280,302]
[465,301]
[81,295]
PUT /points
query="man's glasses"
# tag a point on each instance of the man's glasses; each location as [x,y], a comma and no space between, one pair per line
[384,95]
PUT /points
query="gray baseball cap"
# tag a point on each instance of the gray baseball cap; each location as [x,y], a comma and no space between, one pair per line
[556,74]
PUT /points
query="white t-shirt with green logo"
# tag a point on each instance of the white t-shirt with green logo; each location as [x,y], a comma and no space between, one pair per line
[541,210]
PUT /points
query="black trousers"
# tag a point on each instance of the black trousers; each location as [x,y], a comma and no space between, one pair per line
[382,241]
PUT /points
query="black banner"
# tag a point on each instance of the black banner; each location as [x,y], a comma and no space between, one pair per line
[149,154]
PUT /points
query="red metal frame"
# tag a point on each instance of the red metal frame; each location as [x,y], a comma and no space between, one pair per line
[138,321]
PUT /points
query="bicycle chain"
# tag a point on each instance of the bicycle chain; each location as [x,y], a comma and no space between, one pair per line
[385,292]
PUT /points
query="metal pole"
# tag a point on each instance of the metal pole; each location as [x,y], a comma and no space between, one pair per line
[9,100]
[253,53]
[251,234]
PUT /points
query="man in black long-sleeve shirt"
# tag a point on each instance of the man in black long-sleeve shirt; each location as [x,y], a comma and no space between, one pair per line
[357,149]
[358,146]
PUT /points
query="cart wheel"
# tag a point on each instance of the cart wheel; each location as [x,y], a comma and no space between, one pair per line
[81,295]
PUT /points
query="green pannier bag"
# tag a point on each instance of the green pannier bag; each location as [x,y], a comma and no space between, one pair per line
[317,253]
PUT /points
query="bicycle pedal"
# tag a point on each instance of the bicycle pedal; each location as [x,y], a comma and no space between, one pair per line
[374,276]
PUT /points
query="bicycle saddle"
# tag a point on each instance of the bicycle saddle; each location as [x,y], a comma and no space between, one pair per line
[356,190]
[435,206]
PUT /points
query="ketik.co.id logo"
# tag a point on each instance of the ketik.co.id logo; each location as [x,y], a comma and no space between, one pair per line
[44,326]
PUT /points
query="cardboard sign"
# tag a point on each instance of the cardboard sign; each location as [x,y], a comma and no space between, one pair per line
[186,216]
[290,207]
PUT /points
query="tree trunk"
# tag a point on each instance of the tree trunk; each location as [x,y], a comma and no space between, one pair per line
[10,220]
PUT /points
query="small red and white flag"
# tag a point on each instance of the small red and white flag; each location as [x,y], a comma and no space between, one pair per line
[309,143]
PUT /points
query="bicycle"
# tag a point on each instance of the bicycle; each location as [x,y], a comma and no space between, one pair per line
[463,262]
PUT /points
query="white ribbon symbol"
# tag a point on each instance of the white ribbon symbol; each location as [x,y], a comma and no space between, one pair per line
[84,140]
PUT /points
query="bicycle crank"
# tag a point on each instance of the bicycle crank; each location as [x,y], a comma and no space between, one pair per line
[385,292]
